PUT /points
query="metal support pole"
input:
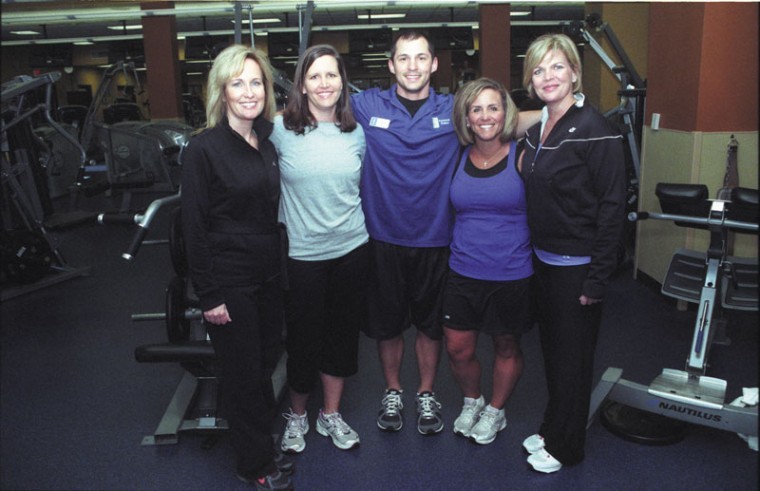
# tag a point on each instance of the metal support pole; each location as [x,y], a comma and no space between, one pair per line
[304,25]
[238,22]
[250,23]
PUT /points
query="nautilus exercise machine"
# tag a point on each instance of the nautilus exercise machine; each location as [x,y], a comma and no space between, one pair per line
[128,153]
[714,281]
[632,87]
[627,116]
[30,254]
[193,407]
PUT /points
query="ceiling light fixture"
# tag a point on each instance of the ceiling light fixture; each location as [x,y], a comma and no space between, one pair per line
[380,16]
[130,27]
[259,21]
[519,13]
[25,33]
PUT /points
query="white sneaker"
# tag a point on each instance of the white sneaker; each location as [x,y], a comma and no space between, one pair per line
[533,443]
[342,435]
[542,461]
[469,416]
[488,425]
[292,438]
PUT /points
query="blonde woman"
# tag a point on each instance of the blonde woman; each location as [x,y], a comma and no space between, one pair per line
[573,169]
[230,197]
[488,286]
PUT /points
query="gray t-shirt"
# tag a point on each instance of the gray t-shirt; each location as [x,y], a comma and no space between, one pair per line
[319,179]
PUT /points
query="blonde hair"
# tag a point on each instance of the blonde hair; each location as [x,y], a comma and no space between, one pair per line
[227,65]
[464,99]
[538,50]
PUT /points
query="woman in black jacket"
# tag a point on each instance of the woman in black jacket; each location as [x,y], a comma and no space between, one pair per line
[573,170]
[230,198]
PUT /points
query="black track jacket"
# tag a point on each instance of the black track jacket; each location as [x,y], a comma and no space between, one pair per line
[575,190]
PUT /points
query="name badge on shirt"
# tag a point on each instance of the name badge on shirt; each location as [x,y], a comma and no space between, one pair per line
[380,122]
[439,122]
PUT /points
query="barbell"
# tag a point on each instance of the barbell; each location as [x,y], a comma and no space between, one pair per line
[179,312]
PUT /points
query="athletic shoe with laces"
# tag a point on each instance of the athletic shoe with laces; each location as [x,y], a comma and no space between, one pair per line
[533,443]
[292,438]
[389,416]
[469,416]
[488,425]
[543,461]
[332,425]
[429,420]
[274,481]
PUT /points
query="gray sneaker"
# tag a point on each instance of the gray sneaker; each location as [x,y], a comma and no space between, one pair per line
[489,424]
[389,416]
[292,438]
[429,420]
[332,425]
[469,416]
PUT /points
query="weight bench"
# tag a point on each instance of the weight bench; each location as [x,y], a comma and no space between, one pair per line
[714,281]
[194,404]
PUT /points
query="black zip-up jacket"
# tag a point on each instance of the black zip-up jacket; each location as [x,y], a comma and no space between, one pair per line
[230,200]
[575,191]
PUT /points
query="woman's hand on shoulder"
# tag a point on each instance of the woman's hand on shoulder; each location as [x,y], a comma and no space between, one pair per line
[526,119]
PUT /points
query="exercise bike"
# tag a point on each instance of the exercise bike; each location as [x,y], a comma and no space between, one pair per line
[714,281]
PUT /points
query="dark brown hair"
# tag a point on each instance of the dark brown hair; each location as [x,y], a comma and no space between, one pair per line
[297,116]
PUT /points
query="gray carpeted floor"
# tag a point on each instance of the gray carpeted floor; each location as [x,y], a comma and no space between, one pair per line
[75,405]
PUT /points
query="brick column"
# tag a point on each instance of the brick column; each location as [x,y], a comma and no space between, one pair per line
[162,62]
[495,42]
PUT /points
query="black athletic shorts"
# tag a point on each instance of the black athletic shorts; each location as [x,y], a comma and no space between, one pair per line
[491,307]
[405,288]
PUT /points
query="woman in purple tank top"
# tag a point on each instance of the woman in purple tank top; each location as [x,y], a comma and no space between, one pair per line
[490,266]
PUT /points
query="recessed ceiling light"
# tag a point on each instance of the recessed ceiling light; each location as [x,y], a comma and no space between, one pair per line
[84,43]
[519,13]
[25,33]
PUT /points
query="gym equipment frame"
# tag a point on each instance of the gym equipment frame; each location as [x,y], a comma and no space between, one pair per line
[30,256]
[714,281]
[193,407]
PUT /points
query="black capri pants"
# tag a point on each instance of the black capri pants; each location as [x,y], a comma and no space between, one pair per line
[324,310]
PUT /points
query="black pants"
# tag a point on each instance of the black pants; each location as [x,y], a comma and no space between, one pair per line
[326,306]
[568,332]
[247,350]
